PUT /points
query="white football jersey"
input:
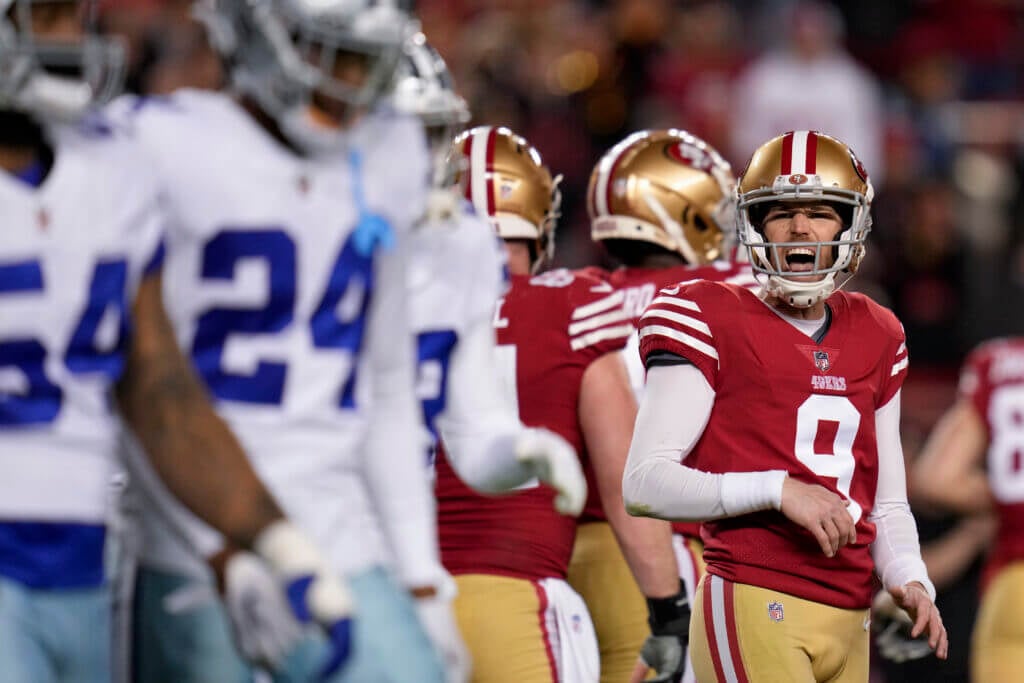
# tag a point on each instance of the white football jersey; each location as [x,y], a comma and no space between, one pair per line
[457,272]
[268,292]
[72,252]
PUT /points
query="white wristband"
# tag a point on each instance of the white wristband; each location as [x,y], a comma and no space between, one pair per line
[290,554]
[288,550]
[744,492]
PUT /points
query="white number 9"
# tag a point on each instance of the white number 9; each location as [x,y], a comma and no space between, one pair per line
[839,464]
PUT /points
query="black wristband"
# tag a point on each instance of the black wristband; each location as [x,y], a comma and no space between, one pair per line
[671,615]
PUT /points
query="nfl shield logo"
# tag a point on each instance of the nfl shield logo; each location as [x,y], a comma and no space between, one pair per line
[775,611]
[821,361]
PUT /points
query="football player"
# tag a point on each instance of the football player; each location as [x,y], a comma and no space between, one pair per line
[557,335]
[775,419]
[285,280]
[80,316]
[457,272]
[660,203]
[969,465]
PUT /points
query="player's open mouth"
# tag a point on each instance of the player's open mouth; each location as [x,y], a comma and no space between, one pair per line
[800,260]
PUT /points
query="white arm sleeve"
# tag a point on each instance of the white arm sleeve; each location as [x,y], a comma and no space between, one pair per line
[478,429]
[896,551]
[394,449]
[674,411]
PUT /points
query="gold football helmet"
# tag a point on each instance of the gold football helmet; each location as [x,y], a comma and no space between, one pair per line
[805,166]
[666,187]
[507,182]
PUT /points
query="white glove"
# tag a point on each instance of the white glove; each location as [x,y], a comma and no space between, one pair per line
[554,462]
[262,621]
[314,592]
[438,620]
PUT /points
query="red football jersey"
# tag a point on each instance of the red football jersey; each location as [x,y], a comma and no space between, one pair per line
[993,381]
[639,286]
[550,328]
[784,402]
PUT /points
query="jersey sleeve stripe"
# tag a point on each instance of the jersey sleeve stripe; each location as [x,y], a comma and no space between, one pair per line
[681,337]
[899,366]
[604,334]
[901,349]
[678,303]
[596,321]
[744,280]
[599,306]
[692,323]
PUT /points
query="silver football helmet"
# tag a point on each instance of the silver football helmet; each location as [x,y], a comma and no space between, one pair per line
[53,78]
[424,88]
[287,55]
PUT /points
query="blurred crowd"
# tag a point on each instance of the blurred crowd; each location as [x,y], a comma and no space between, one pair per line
[930,93]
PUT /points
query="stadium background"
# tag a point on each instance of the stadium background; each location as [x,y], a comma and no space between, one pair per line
[930,93]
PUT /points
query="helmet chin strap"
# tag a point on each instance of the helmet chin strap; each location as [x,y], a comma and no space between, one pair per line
[58,98]
[673,228]
[800,294]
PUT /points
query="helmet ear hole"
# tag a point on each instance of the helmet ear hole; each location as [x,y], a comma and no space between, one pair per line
[700,223]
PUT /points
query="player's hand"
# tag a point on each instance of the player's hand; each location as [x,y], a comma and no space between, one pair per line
[665,649]
[314,592]
[262,622]
[892,625]
[913,598]
[821,512]
[556,463]
[434,609]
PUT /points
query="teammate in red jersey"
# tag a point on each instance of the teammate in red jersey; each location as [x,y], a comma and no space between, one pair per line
[558,335]
[971,464]
[785,409]
[660,203]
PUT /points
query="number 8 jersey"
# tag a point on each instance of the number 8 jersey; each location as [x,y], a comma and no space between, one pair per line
[993,381]
[785,402]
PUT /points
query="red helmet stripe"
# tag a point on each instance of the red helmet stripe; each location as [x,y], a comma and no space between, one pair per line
[812,153]
[609,182]
[787,154]
[467,150]
[492,138]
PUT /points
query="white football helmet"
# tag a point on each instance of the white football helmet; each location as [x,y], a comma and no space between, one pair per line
[424,88]
[284,53]
[51,79]
[813,167]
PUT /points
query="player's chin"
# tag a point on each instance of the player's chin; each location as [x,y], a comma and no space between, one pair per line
[797,276]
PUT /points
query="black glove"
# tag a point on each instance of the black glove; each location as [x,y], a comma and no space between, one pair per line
[665,649]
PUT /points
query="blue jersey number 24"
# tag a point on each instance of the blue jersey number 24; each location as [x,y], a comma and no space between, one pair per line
[337,322]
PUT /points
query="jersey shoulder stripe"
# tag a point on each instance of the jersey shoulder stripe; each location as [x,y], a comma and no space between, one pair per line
[902,360]
[601,319]
[676,322]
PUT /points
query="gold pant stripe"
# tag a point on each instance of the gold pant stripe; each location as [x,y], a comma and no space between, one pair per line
[720,622]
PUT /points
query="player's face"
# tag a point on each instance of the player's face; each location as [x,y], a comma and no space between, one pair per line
[798,222]
[56,21]
[349,68]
